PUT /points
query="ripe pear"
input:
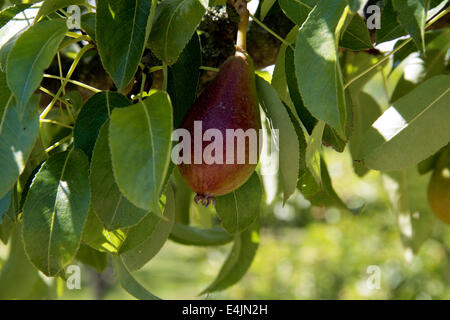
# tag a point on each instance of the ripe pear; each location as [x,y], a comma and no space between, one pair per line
[228,102]
[439,187]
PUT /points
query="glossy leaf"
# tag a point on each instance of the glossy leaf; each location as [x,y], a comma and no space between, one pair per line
[193,236]
[30,56]
[154,238]
[175,23]
[183,80]
[414,128]
[412,15]
[289,150]
[121,30]
[17,137]
[140,147]
[238,261]
[316,49]
[129,283]
[93,115]
[88,24]
[113,209]
[55,211]
[240,208]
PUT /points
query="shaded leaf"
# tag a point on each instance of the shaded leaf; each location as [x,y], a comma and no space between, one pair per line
[55,211]
[193,236]
[129,283]
[297,10]
[121,30]
[92,116]
[412,15]
[183,80]
[175,23]
[390,27]
[356,35]
[113,209]
[238,261]
[93,258]
[153,242]
[240,208]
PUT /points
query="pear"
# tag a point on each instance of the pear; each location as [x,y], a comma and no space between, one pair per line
[439,187]
[228,102]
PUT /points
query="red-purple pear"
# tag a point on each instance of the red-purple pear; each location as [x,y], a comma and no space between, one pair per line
[228,102]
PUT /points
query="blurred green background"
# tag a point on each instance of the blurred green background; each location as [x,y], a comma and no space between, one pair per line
[304,253]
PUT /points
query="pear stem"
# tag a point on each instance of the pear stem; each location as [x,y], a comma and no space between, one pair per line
[244,14]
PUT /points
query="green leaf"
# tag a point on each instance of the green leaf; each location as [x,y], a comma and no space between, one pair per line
[113,209]
[17,275]
[390,28]
[175,23]
[49,6]
[414,128]
[266,5]
[322,194]
[93,258]
[289,150]
[297,10]
[153,238]
[122,29]
[141,135]
[407,191]
[7,14]
[17,138]
[129,283]
[93,115]
[30,56]
[366,111]
[88,24]
[412,15]
[183,80]
[355,5]
[303,113]
[238,261]
[97,237]
[316,49]
[312,154]
[55,211]
[183,198]
[6,227]
[6,48]
[5,202]
[193,236]
[356,36]
[240,208]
